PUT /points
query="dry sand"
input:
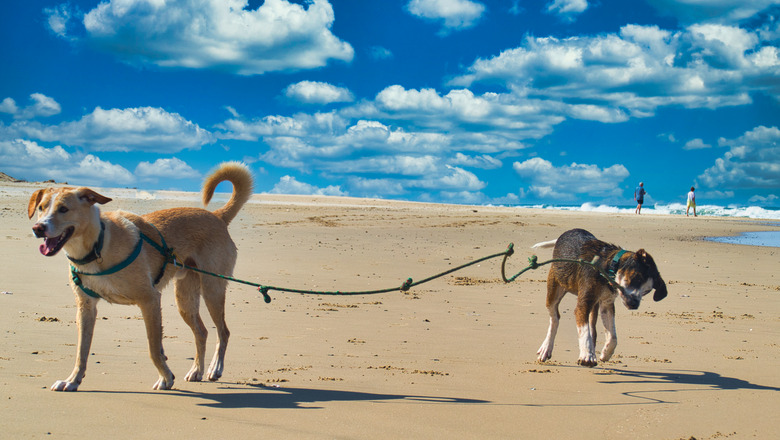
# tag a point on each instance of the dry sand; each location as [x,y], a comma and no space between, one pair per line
[453,358]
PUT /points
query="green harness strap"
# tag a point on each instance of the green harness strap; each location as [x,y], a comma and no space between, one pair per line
[163,249]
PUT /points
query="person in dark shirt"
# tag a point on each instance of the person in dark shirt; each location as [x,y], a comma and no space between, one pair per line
[639,196]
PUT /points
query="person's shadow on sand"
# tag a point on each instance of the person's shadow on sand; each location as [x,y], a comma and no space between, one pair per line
[284,398]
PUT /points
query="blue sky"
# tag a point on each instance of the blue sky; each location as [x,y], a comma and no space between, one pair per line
[465,101]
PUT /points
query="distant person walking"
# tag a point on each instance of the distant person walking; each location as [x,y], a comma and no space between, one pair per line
[639,196]
[691,202]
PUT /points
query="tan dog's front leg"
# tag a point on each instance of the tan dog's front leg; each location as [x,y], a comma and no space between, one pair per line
[86,315]
[153,320]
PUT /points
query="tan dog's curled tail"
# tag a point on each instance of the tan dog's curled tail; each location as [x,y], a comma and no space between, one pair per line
[243,186]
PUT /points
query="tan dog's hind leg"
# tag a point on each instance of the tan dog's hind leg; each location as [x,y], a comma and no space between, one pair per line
[152,315]
[214,296]
[188,300]
[86,315]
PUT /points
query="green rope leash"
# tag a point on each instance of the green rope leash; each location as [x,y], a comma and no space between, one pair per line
[409,283]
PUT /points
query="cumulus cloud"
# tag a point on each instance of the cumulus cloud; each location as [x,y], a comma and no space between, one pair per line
[40,106]
[147,129]
[289,185]
[33,161]
[720,11]
[172,168]
[212,34]
[314,92]
[569,181]
[8,105]
[753,161]
[633,72]
[483,161]
[461,111]
[380,53]
[452,14]
[696,144]
[567,9]
[59,20]
[764,200]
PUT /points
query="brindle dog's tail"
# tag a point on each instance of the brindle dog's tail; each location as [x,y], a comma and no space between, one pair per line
[236,173]
[545,244]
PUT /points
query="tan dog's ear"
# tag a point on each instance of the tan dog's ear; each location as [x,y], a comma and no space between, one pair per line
[35,200]
[91,196]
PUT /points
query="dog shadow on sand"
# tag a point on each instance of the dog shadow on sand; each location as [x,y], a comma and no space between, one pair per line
[690,377]
[239,395]
[702,380]
[264,397]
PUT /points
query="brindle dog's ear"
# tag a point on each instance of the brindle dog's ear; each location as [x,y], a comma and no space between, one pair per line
[658,283]
[35,200]
[660,289]
[92,197]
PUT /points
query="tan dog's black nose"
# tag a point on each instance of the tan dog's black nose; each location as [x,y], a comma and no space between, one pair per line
[39,230]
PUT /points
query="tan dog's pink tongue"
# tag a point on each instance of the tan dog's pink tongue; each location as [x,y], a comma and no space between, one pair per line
[49,246]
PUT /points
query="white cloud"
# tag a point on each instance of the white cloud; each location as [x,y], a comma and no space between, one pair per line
[35,162]
[753,161]
[453,14]
[172,168]
[380,53]
[570,181]
[764,200]
[696,144]
[8,105]
[365,187]
[483,161]
[213,34]
[58,19]
[719,11]
[93,170]
[463,112]
[40,106]
[133,129]
[567,9]
[289,185]
[314,92]
[632,73]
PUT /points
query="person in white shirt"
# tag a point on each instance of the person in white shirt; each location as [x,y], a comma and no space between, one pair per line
[691,202]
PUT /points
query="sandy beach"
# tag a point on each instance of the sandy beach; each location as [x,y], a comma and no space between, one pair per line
[453,358]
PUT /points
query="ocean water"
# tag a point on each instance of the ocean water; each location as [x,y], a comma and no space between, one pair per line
[753,212]
[762,238]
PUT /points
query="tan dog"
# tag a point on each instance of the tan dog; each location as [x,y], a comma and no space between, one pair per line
[101,247]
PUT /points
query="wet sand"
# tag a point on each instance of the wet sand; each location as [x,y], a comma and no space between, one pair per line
[452,358]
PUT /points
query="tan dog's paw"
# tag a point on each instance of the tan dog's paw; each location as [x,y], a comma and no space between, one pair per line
[163,384]
[64,385]
[589,361]
[195,375]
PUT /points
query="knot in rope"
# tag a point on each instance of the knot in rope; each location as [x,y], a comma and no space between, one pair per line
[264,291]
[532,262]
